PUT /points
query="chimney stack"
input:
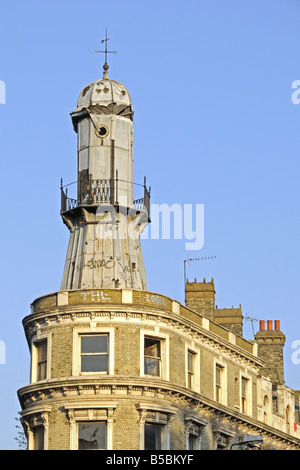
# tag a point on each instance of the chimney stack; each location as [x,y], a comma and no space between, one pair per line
[270,349]
[200,296]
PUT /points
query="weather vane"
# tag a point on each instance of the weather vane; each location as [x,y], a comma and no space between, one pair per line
[105,66]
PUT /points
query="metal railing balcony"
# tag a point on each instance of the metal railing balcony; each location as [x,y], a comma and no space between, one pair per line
[102,191]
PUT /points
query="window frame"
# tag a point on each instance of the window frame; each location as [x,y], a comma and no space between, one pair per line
[84,355]
[190,369]
[161,431]
[287,413]
[246,401]
[220,389]
[194,426]
[222,437]
[40,428]
[237,393]
[193,441]
[164,351]
[195,378]
[91,412]
[297,410]
[34,419]
[266,409]
[87,422]
[194,432]
[157,358]
[76,361]
[158,412]
[36,340]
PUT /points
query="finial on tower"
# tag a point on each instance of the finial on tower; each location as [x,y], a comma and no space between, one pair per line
[106,66]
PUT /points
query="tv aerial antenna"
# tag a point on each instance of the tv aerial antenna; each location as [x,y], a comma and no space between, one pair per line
[247,318]
[188,262]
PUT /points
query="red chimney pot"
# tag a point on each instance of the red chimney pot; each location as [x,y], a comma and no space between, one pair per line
[262,325]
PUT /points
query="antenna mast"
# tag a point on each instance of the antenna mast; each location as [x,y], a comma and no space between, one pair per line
[188,260]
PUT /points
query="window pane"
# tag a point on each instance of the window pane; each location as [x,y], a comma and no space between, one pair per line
[94,363]
[41,360]
[94,344]
[297,411]
[244,384]
[38,437]
[152,347]
[192,442]
[190,361]
[42,351]
[152,366]
[218,375]
[236,392]
[42,371]
[92,436]
[153,437]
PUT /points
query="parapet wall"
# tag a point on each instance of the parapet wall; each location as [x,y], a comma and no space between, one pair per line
[139,299]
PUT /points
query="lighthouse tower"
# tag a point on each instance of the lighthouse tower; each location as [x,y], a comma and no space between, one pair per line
[116,367]
[104,220]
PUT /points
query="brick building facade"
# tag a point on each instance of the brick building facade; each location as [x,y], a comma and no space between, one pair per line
[114,366]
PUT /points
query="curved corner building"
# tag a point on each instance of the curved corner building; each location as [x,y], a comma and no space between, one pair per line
[114,366]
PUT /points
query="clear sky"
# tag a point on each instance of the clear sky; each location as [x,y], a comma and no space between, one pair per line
[214,124]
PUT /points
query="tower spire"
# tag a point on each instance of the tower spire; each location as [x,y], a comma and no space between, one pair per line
[106,66]
[105,222]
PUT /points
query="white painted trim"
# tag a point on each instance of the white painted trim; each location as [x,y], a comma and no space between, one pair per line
[196,377]
[248,393]
[33,366]
[42,412]
[143,407]
[90,407]
[222,364]
[164,338]
[126,296]
[77,332]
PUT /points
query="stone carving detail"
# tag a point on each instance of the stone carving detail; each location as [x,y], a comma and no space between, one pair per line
[112,108]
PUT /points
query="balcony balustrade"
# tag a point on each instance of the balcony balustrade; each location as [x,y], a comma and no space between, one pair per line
[102,191]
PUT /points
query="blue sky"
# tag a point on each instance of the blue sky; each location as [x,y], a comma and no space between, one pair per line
[211,85]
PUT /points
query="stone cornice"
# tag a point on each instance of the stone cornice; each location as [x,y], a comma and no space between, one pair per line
[100,312]
[68,390]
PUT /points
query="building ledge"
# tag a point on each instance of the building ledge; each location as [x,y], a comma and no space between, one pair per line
[96,299]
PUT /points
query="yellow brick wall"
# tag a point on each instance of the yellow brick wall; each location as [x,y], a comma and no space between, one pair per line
[127,323]
[43,303]
[177,359]
[127,350]
[59,428]
[149,299]
[206,373]
[61,351]
[126,432]
[94,296]
[127,354]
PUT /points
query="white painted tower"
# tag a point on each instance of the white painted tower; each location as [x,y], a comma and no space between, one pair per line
[105,222]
